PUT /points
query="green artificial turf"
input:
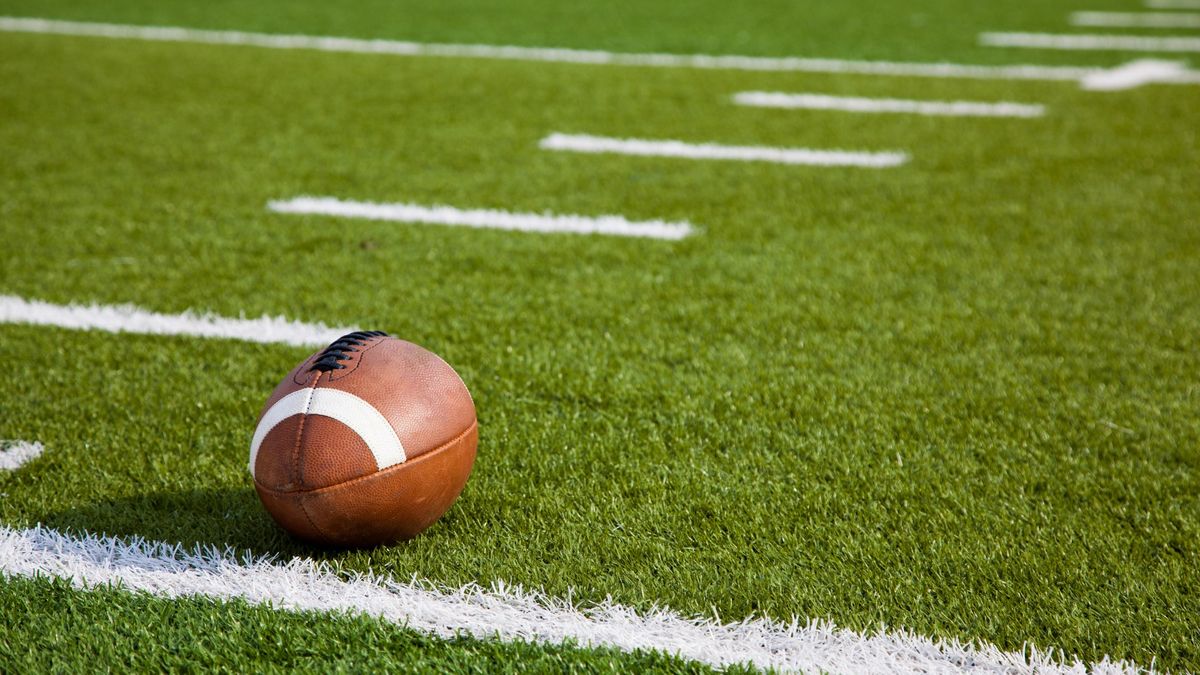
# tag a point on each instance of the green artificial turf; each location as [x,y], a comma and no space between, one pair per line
[957,396]
[922,30]
[108,629]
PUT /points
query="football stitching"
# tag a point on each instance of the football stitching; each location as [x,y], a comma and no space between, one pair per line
[358,357]
[303,374]
[297,478]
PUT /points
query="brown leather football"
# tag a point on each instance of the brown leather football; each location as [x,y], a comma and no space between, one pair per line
[366,442]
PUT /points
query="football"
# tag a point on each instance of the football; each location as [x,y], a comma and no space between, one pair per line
[366,442]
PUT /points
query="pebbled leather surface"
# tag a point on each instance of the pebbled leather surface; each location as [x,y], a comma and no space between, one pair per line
[419,393]
[382,508]
[330,453]
[319,479]
[275,467]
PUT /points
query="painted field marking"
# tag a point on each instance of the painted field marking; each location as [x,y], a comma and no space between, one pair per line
[578,56]
[1173,4]
[769,99]
[131,319]
[1091,42]
[15,454]
[1136,19]
[712,151]
[1135,74]
[485,218]
[503,612]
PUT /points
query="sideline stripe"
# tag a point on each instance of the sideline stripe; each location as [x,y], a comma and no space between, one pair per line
[579,56]
[769,99]
[1173,4]
[15,454]
[484,218]
[362,418]
[1136,19]
[1091,42]
[740,153]
[131,319]
[504,612]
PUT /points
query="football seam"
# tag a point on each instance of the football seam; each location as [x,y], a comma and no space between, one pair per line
[297,478]
[350,483]
[309,518]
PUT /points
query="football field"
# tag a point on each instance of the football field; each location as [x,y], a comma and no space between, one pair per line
[833,337]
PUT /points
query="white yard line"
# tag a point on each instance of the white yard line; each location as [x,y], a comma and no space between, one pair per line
[769,99]
[1173,4]
[1136,19]
[485,219]
[555,55]
[503,612]
[130,319]
[712,151]
[1135,74]
[15,454]
[1091,42]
